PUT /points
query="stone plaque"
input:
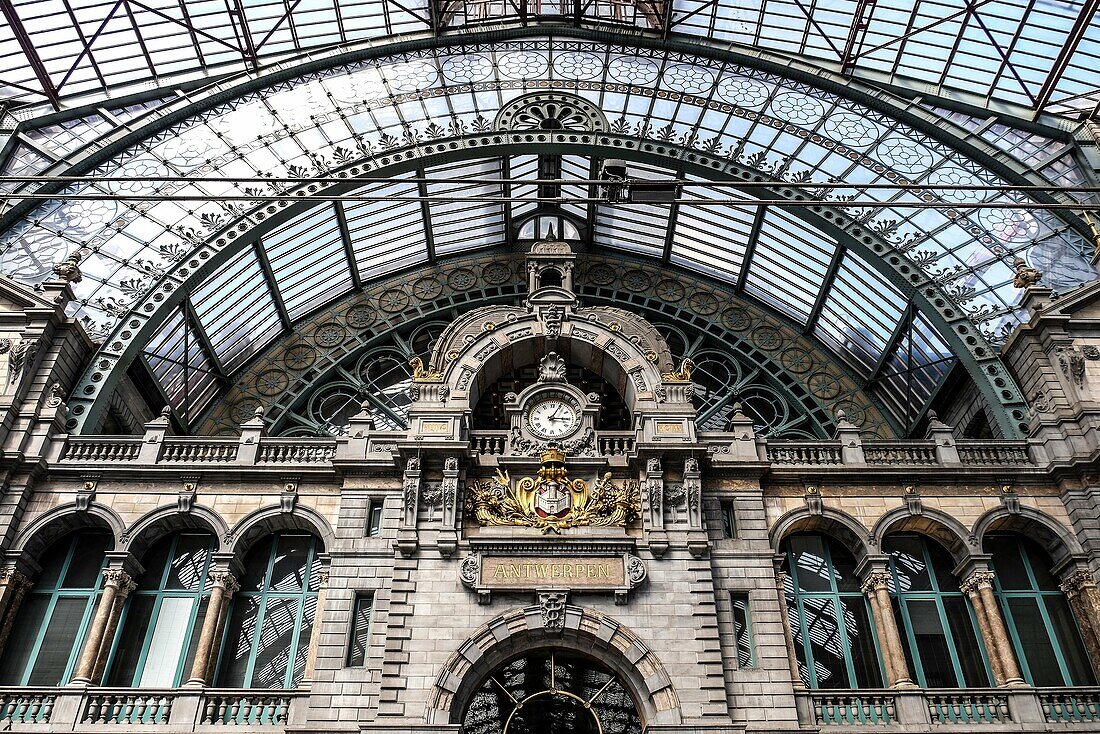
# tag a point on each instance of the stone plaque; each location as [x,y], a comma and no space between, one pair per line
[666,428]
[435,426]
[532,572]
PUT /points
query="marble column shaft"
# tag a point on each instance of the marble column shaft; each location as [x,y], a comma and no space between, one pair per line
[117,586]
[978,586]
[792,658]
[315,631]
[224,585]
[876,587]
[13,587]
[1084,600]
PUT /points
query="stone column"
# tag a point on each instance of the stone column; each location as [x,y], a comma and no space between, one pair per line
[315,632]
[979,587]
[876,585]
[117,585]
[781,589]
[224,586]
[13,587]
[1079,586]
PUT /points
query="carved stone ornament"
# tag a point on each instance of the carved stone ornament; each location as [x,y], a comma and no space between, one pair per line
[1025,274]
[675,496]
[56,396]
[432,495]
[68,269]
[552,368]
[1091,352]
[288,498]
[636,571]
[21,356]
[976,581]
[551,320]
[551,501]
[875,581]
[469,571]
[1072,362]
[5,346]
[1077,582]
[552,604]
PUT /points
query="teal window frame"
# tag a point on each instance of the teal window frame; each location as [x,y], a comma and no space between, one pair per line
[746,639]
[57,591]
[374,517]
[729,519]
[1039,595]
[199,594]
[936,595]
[798,597]
[266,595]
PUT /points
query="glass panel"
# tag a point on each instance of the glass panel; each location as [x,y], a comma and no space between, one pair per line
[53,564]
[139,616]
[154,561]
[189,563]
[967,646]
[1040,565]
[374,526]
[931,644]
[61,635]
[742,633]
[1008,564]
[238,645]
[729,522]
[256,563]
[844,568]
[1036,645]
[826,643]
[273,653]
[360,631]
[18,649]
[288,572]
[811,567]
[166,645]
[909,562]
[861,642]
[1069,641]
[88,561]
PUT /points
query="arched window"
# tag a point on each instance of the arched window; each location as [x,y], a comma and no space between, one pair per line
[51,623]
[1043,630]
[552,693]
[934,615]
[829,615]
[271,618]
[161,622]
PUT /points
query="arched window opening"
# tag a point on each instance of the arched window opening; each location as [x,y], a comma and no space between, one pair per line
[613,416]
[1042,627]
[829,616]
[934,615]
[550,278]
[271,618]
[162,619]
[50,625]
[552,692]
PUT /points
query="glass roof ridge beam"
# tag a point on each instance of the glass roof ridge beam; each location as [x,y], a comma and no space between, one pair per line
[904,327]
[191,319]
[349,249]
[426,213]
[826,289]
[1088,10]
[27,45]
[673,213]
[272,284]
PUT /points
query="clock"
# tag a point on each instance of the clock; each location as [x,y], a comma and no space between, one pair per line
[553,417]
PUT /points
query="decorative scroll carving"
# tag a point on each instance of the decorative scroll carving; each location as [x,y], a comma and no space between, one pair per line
[553,609]
[552,368]
[976,581]
[422,373]
[693,488]
[469,571]
[875,581]
[1072,363]
[683,374]
[410,492]
[655,490]
[1077,582]
[23,355]
[551,501]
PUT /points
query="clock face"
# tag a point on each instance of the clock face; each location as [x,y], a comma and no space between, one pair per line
[552,418]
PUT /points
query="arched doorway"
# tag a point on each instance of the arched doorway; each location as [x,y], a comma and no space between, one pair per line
[552,692]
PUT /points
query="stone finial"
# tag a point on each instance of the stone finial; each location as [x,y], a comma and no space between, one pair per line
[166,411]
[1026,276]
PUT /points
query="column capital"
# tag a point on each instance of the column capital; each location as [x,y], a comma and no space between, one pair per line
[977,580]
[120,579]
[875,581]
[14,578]
[1077,581]
[225,580]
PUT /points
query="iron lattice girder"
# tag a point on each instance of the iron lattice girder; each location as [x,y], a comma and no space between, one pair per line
[953,323]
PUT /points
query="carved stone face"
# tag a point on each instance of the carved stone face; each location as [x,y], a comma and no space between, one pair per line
[552,418]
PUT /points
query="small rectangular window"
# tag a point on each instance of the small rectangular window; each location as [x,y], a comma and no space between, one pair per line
[729,520]
[374,518]
[742,631]
[360,630]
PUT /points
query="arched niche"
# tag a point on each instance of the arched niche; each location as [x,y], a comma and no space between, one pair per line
[835,523]
[932,523]
[164,521]
[1056,538]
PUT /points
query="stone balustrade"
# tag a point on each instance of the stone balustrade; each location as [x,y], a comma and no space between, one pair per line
[68,709]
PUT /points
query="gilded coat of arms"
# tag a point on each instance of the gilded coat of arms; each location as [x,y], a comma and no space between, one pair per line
[552,501]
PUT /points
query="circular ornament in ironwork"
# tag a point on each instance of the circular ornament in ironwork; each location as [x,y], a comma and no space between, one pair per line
[244,411]
[330,334]
[743,91]
[853,413]
[905,155]
[360,317]
[670,290]
[855,131]
[466,68]
[636,281]
[822,385]
[798,108]
[410,76]
[496,273]
[633,70]
[797,360]
[300,357]
[601,274]
[1010,224]
[736,319]
[767,338]
[393,301]
[578,65]
[551,111]
[272,382]
[427,288]
[523,64]
[462,279]
[688,78]
[704,303]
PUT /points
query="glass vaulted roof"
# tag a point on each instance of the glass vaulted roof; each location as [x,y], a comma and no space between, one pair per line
[1040,54]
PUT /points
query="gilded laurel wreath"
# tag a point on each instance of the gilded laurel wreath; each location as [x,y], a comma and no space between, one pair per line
[551,501]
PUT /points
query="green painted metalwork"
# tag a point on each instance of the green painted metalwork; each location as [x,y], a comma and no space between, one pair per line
[56,613]
[271,617]
[1066,706]
[833,710]
[177,570]
[821,580]
[920,576]
[1025,589]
